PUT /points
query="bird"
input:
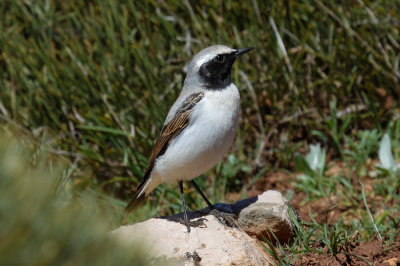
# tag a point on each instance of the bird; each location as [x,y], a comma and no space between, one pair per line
[199,129]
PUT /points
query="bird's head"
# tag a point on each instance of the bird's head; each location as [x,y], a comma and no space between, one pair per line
[212,66]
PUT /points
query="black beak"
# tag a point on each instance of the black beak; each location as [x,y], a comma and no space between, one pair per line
[241,51]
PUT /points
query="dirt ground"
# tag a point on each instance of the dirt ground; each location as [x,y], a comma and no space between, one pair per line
[326,210]
[357,253]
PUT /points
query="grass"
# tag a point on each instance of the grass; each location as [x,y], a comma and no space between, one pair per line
[93,82]
[367,200]
[43,223]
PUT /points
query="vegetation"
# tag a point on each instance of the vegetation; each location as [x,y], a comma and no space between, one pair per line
[92,82]
[43,224]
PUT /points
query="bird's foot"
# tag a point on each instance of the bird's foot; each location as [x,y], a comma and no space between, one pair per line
[197,223]
[224,217]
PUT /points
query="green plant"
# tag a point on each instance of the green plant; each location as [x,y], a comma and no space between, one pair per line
[43,223]
[337,130]
[361,149]
[313,181]
[388,171]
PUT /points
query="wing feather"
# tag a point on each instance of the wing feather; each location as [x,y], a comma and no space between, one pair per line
[168,133]
[172,129]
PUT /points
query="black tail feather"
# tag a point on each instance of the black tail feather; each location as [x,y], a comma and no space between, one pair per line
[135,202]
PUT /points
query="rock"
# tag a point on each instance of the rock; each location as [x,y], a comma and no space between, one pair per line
[263,214]
[390,262]
[215,244]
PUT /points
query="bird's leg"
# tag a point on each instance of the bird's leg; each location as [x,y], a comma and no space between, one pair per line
[223,217]
[210,206]
[184,206]
[185,220]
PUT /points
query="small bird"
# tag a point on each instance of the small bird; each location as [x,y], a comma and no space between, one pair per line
[199,129]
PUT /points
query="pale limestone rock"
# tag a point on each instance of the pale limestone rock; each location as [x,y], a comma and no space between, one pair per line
[214,245]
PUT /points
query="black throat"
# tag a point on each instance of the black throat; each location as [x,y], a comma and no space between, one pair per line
[216,74]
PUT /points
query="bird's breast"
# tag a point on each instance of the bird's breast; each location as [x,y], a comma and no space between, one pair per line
[218,116]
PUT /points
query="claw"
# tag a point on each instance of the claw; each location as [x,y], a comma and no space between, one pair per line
[197,223]
[224,218]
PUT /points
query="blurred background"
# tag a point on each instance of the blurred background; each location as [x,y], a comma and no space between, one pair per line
[91,82]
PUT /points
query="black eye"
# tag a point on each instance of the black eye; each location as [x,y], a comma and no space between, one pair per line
[219,58]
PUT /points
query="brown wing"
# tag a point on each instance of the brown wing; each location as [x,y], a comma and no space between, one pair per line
[171,130]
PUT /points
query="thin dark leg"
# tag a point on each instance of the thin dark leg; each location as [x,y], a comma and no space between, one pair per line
[222,217]
[184,206]
[210,206]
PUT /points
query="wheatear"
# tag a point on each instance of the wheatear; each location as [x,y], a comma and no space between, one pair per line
[200,126]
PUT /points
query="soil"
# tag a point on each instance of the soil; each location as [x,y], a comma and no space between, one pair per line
[357,253]
[326,210]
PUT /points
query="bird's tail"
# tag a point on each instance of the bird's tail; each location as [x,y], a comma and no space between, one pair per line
[148,184]
[135,202]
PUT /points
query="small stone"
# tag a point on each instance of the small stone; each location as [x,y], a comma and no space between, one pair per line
[266,214]
[214,245]
[390,262]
